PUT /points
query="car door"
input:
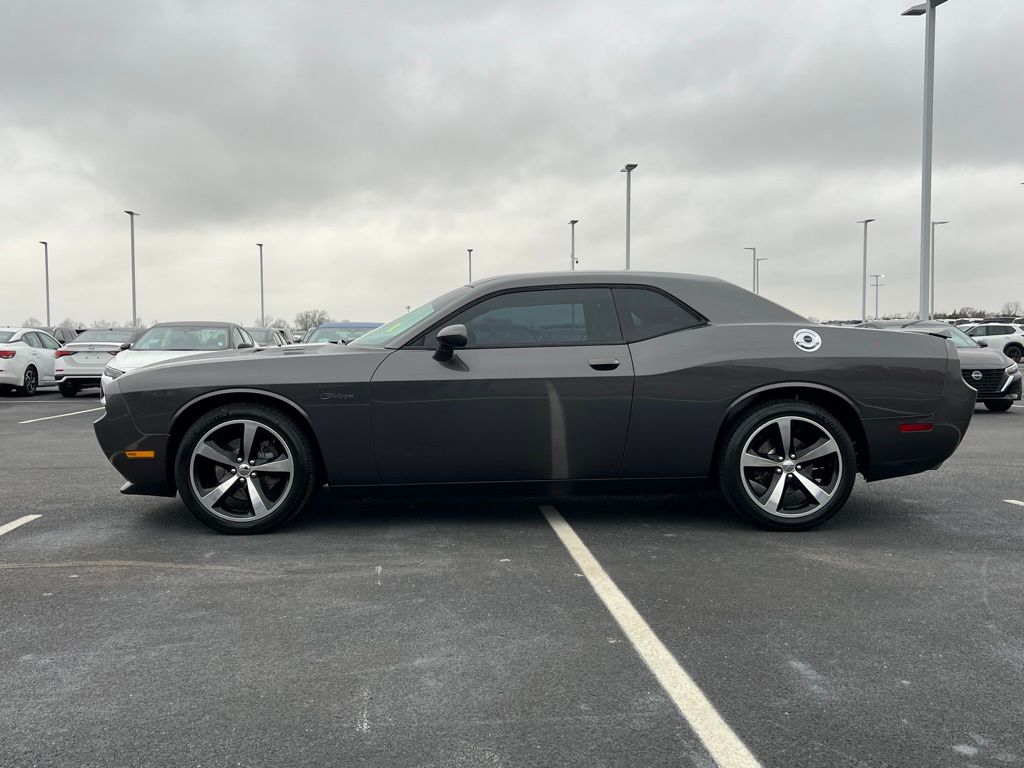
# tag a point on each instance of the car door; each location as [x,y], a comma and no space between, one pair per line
[49,358]
[542,391]
[37,356]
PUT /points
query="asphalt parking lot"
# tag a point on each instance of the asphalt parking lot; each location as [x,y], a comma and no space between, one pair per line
[463,632]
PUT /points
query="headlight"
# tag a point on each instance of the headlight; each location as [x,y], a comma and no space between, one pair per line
[112,372]
[1011,369]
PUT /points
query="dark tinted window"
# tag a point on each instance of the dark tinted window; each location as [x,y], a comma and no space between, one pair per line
[555,317]
[999,330]
[644,314]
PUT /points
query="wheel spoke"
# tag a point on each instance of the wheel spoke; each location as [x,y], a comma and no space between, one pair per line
[256,498]
[820,451]
[283,464]
[786,434]
[212,497]
[248,435]
[751,460]
[818,493]
[214,453]
[773,498]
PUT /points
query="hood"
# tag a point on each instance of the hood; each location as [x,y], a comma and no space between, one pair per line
[131,359]
[980,357]
[179,358]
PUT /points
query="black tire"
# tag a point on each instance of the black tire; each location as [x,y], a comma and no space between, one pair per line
[1014,352]
[832,475]
[30,383]
[998,405]
[277,425]
[68,388]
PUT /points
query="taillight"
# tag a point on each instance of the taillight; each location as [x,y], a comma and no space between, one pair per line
[6,354]
[916,427]
[63,353]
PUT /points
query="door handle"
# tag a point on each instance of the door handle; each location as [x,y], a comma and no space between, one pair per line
[603,364]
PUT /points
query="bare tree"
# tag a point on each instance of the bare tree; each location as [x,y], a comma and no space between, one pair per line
[32,322]
[1012,308]
[311,318]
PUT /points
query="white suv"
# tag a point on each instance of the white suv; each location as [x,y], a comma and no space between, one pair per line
[1006,337]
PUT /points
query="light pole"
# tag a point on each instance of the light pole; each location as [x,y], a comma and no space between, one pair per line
[753,284]
[46,268]
[927,9]
[876,284]
[470,252]
[628,170]
[932,301]
[263,311]
[135,314]
[757,273]
[572,244]
[864,277]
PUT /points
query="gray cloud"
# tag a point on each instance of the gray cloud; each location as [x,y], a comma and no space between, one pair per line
[369,143]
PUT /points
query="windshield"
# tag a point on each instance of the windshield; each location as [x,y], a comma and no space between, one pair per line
[382,336]
[6,335]
[337,334]
[961,339]
[183,338]
[262,335]
[117,336]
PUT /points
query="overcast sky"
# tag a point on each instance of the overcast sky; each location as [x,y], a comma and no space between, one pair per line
[367,145]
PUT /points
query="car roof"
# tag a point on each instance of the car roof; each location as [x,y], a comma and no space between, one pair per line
[342,324]
[196,323]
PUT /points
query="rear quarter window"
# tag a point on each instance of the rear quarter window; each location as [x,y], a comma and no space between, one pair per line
[645,313]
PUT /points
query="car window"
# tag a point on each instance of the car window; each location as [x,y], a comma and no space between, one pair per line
[183,338]
[243,337]
[645,313]
[100,336]
[549,317]
[999,330]
[32,340]
[978,330]
[48,341]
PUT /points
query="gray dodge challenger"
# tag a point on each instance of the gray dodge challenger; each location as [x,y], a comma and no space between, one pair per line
[550,384]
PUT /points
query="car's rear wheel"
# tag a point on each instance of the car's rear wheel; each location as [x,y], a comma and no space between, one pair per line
[30,383]
[245,468]
[68,388]
[787,465]
[1014,352]
[998,405]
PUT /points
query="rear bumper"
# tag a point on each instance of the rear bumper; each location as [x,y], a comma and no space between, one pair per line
[118,435]
[894,453]
[83,380]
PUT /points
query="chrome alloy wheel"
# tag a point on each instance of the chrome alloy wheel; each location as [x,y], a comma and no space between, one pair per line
[241,470]
[791,467]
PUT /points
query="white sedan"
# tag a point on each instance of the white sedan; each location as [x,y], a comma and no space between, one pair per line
[26,359]
[167,341]
[80,363]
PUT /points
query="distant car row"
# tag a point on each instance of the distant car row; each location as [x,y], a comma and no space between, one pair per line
[33,357]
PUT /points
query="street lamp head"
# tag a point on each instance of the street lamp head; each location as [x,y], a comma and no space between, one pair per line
[921,8]
[42,242]
[940,222]
[762,258]
[866,221]
[574,221]
[750,248]
[259,244]
[131,213]
[629,167]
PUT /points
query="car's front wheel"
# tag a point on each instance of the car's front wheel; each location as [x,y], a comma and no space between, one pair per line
[787,465]
[998,405]
[245,468]
[1014,352]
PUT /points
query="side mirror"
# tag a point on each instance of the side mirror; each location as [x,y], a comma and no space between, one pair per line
[448,338]
[246,345]
[981,342]
[125,345]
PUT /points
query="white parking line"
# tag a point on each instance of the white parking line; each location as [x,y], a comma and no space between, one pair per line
[8,527]
[726,748]
[59,416]
[1014,501]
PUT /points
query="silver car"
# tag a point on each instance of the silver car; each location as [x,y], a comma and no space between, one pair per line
[80,363]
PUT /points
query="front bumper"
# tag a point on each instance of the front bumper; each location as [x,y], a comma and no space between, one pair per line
[119,439]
